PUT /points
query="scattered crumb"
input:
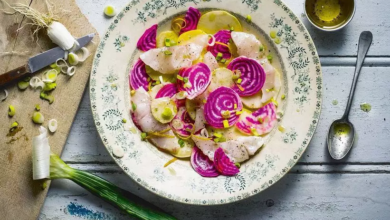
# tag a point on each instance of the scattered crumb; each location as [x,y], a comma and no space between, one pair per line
[335,102]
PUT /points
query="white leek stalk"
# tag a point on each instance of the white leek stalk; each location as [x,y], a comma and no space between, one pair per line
[41,155]
[58,33]
[47,165]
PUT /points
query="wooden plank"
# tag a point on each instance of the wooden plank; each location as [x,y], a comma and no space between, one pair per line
[21,196]
[296,196]
[373,130]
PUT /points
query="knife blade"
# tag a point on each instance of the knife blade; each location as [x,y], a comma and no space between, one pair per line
[46,58]
[40,61]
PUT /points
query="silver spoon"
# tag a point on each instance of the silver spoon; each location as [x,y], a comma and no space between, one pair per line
[342,133]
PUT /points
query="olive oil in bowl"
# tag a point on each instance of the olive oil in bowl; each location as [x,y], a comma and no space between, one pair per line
[330,15]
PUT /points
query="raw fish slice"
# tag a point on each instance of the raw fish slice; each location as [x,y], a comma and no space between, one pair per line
[210,61]
[247,45]
[171,145]
[142,113]
[169,62]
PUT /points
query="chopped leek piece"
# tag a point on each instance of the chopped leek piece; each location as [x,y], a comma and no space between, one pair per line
[278,40]
[167,52]
[219,139]
[11,111]
[283,97]
[261,49]
[163,109]
[13,126]
[275,102]
[236,74]
[226,124]
[238,165]
[55,66]
[223,61]
[47,97]
[109,11]
[218,135]
[281,129]
[235,106]
[181,142]
[163,36]
[133,106]
[143,135]
[248,18]
[167,113]
[219,56]
[254,132]
[269,58]
[124,120]
[185,79]
[239,81]
[272,34]
[365,107]
[238,112]
[37,107]
[38,118]
[49,87]
[179,77]
[132,92]
[22,85]
[167,42]
[73,59]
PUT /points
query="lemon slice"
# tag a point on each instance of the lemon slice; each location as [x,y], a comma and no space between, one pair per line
[214,21]
[163,109]
[189,36]
[166,38]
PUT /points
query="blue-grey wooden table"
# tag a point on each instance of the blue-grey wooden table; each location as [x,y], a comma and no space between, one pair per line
[318,187]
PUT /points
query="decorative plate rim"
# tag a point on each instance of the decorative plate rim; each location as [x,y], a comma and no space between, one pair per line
[298,155]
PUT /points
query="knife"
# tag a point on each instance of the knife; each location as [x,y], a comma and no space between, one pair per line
[40,61]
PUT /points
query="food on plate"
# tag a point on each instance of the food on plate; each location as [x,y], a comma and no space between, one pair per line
[204,90]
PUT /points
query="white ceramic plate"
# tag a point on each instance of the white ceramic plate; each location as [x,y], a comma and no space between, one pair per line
[295,56]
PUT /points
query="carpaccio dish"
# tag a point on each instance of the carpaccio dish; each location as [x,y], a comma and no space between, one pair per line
[204,90]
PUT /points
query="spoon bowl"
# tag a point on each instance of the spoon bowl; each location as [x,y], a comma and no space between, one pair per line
[340,138]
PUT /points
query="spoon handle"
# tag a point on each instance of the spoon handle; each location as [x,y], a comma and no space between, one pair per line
[365,41]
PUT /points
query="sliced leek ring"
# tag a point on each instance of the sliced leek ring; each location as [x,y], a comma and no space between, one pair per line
[52,125]
[36,82]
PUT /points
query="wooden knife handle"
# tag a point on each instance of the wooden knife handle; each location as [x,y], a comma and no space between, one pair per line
[13,75]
